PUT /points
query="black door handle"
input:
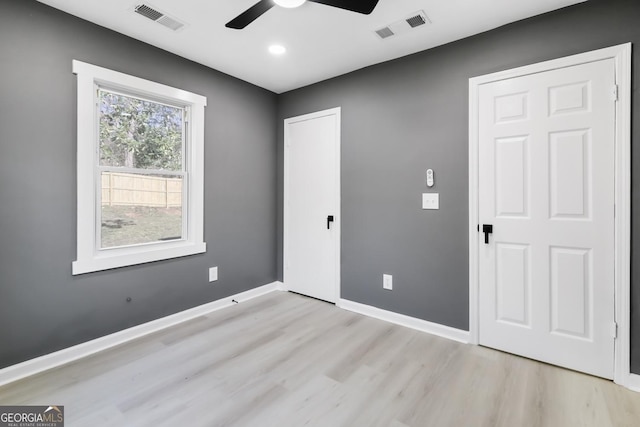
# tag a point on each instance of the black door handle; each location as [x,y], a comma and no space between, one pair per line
[487,229]
[329,221]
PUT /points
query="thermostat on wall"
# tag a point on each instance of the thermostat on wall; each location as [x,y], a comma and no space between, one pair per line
[430,180]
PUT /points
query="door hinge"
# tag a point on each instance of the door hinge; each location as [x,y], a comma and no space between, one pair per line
[614,330]
[614,93]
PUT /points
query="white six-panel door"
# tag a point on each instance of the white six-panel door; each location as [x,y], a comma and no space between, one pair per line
[546,185]
[312,204]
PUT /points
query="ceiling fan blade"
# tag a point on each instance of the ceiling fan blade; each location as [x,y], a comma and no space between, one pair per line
[360,6]
[250,15]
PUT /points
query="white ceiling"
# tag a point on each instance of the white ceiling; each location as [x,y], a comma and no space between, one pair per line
[321,41]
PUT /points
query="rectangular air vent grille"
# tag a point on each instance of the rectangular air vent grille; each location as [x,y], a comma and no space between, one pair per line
[416,21]
[159,17]
[148,12]
[385,32]
[170,23]
[408,24]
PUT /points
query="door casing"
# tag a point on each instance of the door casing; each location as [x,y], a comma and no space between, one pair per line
[622,57]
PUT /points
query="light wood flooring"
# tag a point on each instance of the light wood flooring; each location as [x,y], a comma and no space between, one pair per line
[285,360]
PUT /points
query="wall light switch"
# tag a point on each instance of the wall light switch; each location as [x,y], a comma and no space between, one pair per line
[213,274]
[430,201]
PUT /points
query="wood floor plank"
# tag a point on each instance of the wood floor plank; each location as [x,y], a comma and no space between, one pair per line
[284,360]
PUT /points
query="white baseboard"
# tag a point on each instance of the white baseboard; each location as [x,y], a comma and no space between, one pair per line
[410,322]
[67,355]
[633,383]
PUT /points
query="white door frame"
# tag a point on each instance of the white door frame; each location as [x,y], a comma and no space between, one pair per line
[622,57]
[336,226]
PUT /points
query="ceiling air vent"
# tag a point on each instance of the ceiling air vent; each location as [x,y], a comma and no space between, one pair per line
[384,32]
[414,20]
[170,23]
[159,17]
[149,12]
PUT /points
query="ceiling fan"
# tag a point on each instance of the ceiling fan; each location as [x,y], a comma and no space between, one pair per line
[255,11]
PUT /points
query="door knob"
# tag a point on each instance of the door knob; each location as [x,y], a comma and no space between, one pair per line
[329,221]
[487,229]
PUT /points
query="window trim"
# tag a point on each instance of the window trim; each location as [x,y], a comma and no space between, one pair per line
[89,257]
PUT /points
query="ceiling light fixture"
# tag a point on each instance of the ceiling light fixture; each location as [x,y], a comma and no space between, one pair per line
[289,3]
[277,49]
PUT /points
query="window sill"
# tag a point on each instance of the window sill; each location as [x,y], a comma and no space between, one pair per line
[107,260]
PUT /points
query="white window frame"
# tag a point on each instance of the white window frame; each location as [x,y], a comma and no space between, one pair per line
[90,257]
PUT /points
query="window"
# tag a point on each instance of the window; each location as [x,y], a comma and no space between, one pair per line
[140,170]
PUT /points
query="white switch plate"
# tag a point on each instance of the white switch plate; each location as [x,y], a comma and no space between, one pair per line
[430,201]
[387,281]
[213,274]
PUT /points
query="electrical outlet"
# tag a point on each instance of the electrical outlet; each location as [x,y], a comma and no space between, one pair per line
[213,274]
[387,281]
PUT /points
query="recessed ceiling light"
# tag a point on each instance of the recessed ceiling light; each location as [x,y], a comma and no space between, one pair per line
[289,3]
[277,49]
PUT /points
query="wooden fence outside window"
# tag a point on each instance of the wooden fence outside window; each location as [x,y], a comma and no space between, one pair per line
[123,189]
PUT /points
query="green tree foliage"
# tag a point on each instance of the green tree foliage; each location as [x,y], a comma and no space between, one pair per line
[140,134]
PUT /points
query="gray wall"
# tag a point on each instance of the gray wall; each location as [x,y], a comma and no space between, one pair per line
[404,116]
[42,307]
[399,118]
